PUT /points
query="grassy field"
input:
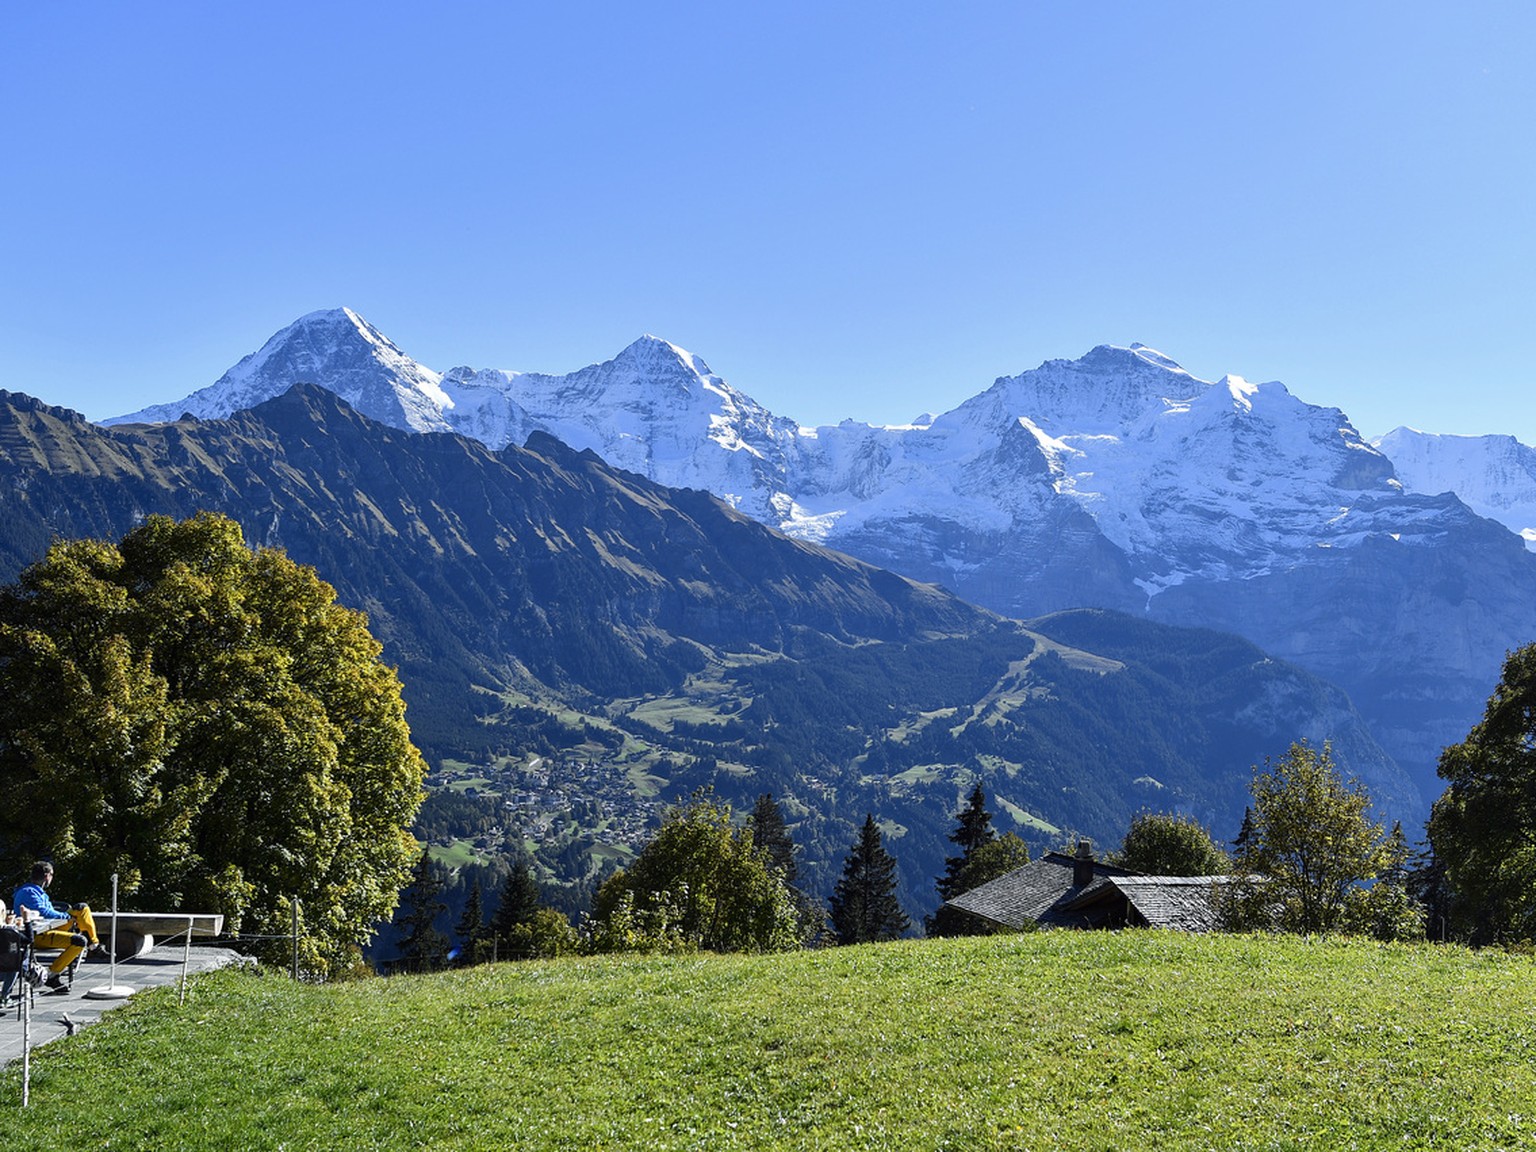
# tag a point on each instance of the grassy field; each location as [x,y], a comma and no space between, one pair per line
[1048,1041]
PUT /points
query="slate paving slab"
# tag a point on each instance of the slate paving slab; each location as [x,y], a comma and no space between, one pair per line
[154,970]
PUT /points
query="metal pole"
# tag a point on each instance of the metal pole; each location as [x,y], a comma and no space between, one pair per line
[295,937]
[26,1025]
[186,957]
[113,990]
[113,979]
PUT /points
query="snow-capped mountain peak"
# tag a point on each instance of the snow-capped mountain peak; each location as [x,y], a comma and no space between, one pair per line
[1495,476]
[653,355]
[1116,480]
[336,348]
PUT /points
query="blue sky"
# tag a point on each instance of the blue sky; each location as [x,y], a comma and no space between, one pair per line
[865,210]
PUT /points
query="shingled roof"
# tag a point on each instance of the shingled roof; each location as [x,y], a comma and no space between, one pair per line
[1181,902]
[1061,891]
[1044,892]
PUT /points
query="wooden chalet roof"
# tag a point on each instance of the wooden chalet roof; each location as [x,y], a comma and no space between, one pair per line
[1181,902]
[1041,891]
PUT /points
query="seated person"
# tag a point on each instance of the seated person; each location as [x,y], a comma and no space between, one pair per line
[13,952]
[81,931]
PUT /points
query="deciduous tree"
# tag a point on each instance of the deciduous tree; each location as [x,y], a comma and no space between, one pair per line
[1164,844]
[702,882]
[1483,828]
[206,721]
[1313,848]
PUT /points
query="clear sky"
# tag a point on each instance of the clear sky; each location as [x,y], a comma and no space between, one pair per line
[865,210]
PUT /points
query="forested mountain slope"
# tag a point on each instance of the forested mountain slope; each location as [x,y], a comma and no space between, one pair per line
[554,617]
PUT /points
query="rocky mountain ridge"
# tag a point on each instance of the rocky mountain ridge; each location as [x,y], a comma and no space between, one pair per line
[1116,480]
[546,608]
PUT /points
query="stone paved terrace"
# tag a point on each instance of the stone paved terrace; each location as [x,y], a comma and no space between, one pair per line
[159,967]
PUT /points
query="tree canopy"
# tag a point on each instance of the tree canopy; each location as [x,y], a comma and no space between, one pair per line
[1483,828]
[698,883]
[206,721]
[1164,844]
[1312,852]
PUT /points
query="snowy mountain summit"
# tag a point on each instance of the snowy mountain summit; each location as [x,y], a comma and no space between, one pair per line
[336,348]
[1495,476]
[1116,480]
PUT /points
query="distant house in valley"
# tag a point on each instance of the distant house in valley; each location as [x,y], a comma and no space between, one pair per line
[1061,891]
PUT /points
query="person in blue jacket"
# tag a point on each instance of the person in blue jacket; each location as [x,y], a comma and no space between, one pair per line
[73,938]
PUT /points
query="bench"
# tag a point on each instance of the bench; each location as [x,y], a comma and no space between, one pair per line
[137,931]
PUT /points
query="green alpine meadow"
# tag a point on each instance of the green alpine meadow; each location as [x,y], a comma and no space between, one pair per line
[1049,1040]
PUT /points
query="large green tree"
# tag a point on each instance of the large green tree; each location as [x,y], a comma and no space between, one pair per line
[1165,844]
[699,883]
[864,906]
[206,721]
[1483,828]
[1313,851]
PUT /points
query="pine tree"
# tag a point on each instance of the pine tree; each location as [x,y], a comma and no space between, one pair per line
[974,830]
[771,834]
[471,929]
[1245,833]
[422,947]
[864,906]
[520,902]
[982,858]
[975,824]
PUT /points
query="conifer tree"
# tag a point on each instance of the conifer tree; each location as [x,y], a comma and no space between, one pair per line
[983,857]
[974,830]
[771,834]
[864,906]
[520,901]
[471,929]
[1245,833]
[422,947]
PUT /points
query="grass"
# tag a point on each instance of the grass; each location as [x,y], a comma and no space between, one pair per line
[455,855]
[1049,1041]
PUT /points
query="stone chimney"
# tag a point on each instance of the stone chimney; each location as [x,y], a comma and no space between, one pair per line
[1082,864]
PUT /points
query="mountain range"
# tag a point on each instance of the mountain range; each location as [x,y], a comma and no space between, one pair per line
[565,628]
[1396,570]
